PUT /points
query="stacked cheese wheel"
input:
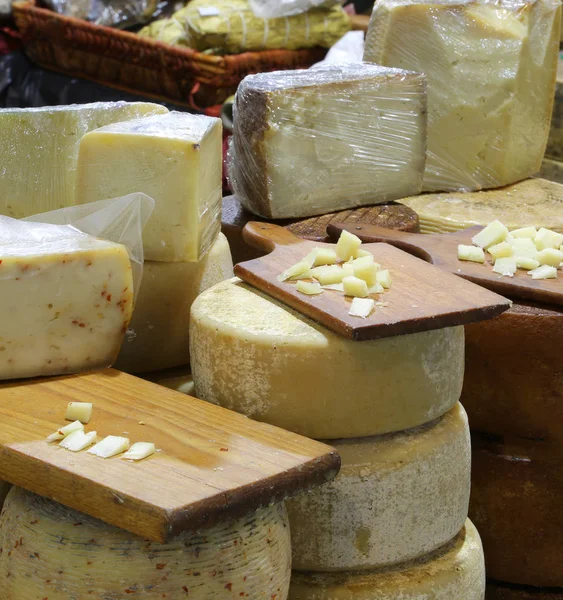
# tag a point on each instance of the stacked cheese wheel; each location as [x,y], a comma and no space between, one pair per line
[394,522]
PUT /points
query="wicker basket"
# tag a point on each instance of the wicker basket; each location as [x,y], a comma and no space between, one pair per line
[142,66]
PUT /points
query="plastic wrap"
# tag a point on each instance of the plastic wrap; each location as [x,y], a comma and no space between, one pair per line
[348,49]
[169,31]
[491,71]
[231,27]
[271,9]
[317,141]
[111,13]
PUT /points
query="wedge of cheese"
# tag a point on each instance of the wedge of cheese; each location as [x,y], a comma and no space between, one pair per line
[488,118]
[176,159]
[66,299]
[312,142]
[39,151]
[75,556]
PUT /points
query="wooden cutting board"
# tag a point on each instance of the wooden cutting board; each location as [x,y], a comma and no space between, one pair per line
[421,297]
[440,249]
[214,464]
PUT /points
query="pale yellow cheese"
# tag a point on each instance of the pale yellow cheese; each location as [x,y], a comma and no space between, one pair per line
[396,497]
[454,572]
[176,159]
[66,554]
[158,335]
[255,355]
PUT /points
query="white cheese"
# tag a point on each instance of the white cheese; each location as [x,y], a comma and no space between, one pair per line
[309,288]
[528,264]
[347,245]
[524,247]
[502,250]
[111,445]
[355,287]
[524,232]
[550,256]
[140,451]
[543,272]
[63,432]
[80,411]
[505,266]
[494,233]
[78,440]
[470,253]
[361,307]
[545,238]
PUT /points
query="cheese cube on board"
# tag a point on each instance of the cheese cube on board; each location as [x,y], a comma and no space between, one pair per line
[311,142]
[176,159]
[66,299]
[491,71]
[39,151]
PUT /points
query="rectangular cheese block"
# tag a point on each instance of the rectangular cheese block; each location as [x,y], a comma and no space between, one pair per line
[65,299]
[555,142]
[176,159]
[39,151]
[313,142]
[491,72]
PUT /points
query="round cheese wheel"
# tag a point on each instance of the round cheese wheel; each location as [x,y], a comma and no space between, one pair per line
[516,502]
[158,333]
[57,553]
[514,374]
[257,356]
[397,497]
[180,380]
[454,572]
[503,591]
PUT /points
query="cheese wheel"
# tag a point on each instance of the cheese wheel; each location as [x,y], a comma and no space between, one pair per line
[158,333]
[252,354]
[516,504]
[397,497]
[531,202]
[180,380]
[502,591]
[513,376]
[454,572]
[60,554]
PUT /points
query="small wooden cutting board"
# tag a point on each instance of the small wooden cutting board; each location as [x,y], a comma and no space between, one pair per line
[214,464]
[421,297]
[440,249]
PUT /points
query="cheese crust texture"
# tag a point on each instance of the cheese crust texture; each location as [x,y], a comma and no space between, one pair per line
[252,354]
[397,497]
[53,552]
[455,571]
[488,120]
[158,336]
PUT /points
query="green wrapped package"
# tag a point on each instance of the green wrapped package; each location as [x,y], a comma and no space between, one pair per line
[166,30]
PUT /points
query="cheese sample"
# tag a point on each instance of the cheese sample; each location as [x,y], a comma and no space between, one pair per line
[488,120]
[259,357]
[533,202]
[39,151]
[176,159]
[245,558]
[397,497]
[158,335]
[80,411]
[311,142]
[500,591]
[454,572]
[66,298]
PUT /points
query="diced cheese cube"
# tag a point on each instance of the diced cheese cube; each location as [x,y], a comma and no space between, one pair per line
[309,288]
[66,430]
[501,250]
[523,262]
[524,232]
[337,287]
[546,238]
[295,270]
[366,269]
[384,278]
[347,246]
[492,234]
[79,411]
[361,307]
[140,451]
[361,253]
[470,253]
[110,446]
[524,247]
[347,270]
[325,256]
[377,288]
[544,272]
[505,266]
[328,274]
[355,287]
[78,440]
[550,257]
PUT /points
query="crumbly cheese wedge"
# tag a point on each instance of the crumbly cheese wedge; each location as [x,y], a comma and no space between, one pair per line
[544,272]
[79,411]
[355,287]
[419,479]
[69,298]
[329,274]
[248,557]
[545,238]
[284,351]
[309,288]
[112,445]
[365,268]
[45,141]
[311,142]
[383,277]
[347,245]
[361,307]
[502,250]
[78,440]
[494,233]
[550,257]
[505,266]
[325,256]
[140,451]
[470,253]
[65,431]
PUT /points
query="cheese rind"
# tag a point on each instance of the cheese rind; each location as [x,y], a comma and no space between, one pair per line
[396,497]
[255,355]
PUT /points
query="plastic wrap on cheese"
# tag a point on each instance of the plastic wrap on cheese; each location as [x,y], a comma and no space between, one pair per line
[316,141]
[270,9]
[169,31]
[491,70]
[230,26]
[111,13]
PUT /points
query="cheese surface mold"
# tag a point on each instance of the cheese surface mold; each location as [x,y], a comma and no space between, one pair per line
[75,556]
[397,497]
[455,571]
[257,356]
[488,120]
[39,151]
[312,142]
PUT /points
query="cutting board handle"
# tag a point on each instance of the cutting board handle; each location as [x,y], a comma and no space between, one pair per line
[266,236]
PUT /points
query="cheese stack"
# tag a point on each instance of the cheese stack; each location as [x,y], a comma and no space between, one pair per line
[390,408]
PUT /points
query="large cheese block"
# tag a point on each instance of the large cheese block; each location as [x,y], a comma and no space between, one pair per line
[57,553]
[531,202]
[454,572]
[39,151]
[516,495]
[176,159]
[513,382]
[157,337]
[311,142]
[66,299]
[397,497]
[555,142]
[257,356]
[504,591]
[488,120]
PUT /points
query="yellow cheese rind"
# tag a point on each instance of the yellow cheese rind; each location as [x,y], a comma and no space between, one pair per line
[255,355]
[397,497]
[245,558]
